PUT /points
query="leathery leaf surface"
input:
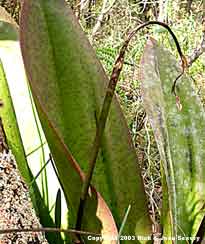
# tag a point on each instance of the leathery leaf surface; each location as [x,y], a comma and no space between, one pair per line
[68,84]
[180,136]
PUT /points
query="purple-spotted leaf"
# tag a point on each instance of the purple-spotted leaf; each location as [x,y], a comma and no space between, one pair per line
[69,85]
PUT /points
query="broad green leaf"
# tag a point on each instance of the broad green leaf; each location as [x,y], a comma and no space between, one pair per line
[180,136]
[7,113]
[69,84]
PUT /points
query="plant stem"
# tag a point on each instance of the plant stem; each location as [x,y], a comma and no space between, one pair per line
[106,107]
[183,58]
[99,131]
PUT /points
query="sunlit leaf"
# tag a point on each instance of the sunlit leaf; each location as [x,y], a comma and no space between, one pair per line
[7,113]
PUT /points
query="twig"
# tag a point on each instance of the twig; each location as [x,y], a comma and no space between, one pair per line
[47,229]
[163,6]
[106,107]
[198,51]
[189,3]
[101,16]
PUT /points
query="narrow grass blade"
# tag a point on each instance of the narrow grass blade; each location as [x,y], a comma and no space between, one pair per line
[123,223]
[35,149]
[39,173]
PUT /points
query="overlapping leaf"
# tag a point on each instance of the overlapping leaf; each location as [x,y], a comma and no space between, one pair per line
[9,42]
[180,136]
[68,84]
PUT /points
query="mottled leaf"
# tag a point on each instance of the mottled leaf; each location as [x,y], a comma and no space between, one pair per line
[180,136]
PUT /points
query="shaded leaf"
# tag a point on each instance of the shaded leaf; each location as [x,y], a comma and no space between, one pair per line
[180,137]
[58,209]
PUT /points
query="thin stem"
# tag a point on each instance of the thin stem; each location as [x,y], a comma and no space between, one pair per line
[183,58]
[199,50]
[36,149]
[106,107]
[99,131]
[40,171]
[47,229]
